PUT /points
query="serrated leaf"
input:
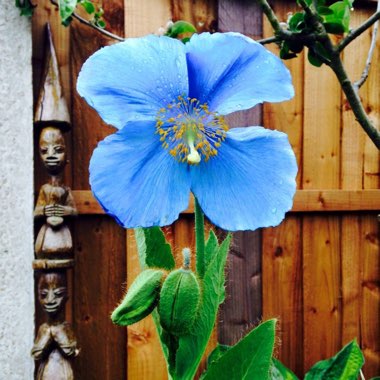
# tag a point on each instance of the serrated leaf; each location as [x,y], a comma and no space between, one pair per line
[66,8]
[313,59]
[192,347]
[346,364]
[179,28]
[154,250]
[279,372]
[248,359]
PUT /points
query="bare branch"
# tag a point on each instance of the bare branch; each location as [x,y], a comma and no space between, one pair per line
[358,31]
[91,25]
[372,47]
[268,40]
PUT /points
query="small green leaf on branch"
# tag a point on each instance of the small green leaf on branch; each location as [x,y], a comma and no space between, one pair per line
[66,9]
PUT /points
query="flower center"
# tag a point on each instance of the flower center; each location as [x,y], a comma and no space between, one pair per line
[189,131]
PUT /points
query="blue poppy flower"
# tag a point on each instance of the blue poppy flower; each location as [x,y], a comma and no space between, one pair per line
[168,101]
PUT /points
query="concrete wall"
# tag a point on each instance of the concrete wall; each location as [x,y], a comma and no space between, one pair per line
[16,195]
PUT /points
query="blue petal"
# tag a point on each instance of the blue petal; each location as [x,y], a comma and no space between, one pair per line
[232,72]
[131,80]
[250,183]
[136,180]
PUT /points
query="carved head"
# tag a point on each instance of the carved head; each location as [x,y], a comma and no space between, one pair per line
[52,292]
[52,150]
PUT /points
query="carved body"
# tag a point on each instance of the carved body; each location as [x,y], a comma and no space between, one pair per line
[54,238]
[55,345]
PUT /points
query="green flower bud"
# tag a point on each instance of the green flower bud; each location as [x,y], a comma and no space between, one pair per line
[141,298]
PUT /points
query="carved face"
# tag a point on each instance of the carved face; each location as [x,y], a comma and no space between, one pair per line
[52,292]
[52,150]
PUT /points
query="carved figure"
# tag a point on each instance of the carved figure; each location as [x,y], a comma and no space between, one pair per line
[55,201]
[55,343]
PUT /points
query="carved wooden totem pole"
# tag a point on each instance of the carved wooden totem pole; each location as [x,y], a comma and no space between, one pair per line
[55,344]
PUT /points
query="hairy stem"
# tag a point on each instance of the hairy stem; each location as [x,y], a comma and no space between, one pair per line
[199,239]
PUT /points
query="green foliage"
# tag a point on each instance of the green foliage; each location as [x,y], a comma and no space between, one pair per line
[335,19]
[279,372]
[141,298]
[346,364]
[338,20]
[181,30]
[66,9]
[191,347]
[26,7]
[155,251]
[217,353]
[250,358]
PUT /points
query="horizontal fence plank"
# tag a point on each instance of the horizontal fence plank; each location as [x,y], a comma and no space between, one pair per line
[304,201]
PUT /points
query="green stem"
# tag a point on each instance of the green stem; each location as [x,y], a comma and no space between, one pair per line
[199,239]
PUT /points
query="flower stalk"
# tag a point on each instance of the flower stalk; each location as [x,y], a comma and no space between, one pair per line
[199,240]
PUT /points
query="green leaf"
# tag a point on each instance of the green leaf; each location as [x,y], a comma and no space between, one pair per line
[217,353]
[179,28]
[66,8]
[346,364]
[279,372]
[26,8]
[323,11]
[285,52]
[297,22]
[88,6]
[340,16]
[248,359]
[313,59]
[375,378]
[211,247]
[334,27]
[100,23]
[191,347]
[154,250]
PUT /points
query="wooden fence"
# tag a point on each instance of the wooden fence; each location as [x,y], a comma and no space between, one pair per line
[318,272]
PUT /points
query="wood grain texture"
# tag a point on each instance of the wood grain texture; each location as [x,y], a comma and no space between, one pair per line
[242,308]
[100,243]
[145,357]
[352,160]
[282,246]
[282,288]
[370,246]
[201,13]
[99,275]
[304,201]
[321,234]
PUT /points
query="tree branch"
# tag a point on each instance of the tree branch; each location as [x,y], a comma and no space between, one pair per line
[358,31]
[352,95]
[372,47]
[91,25]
